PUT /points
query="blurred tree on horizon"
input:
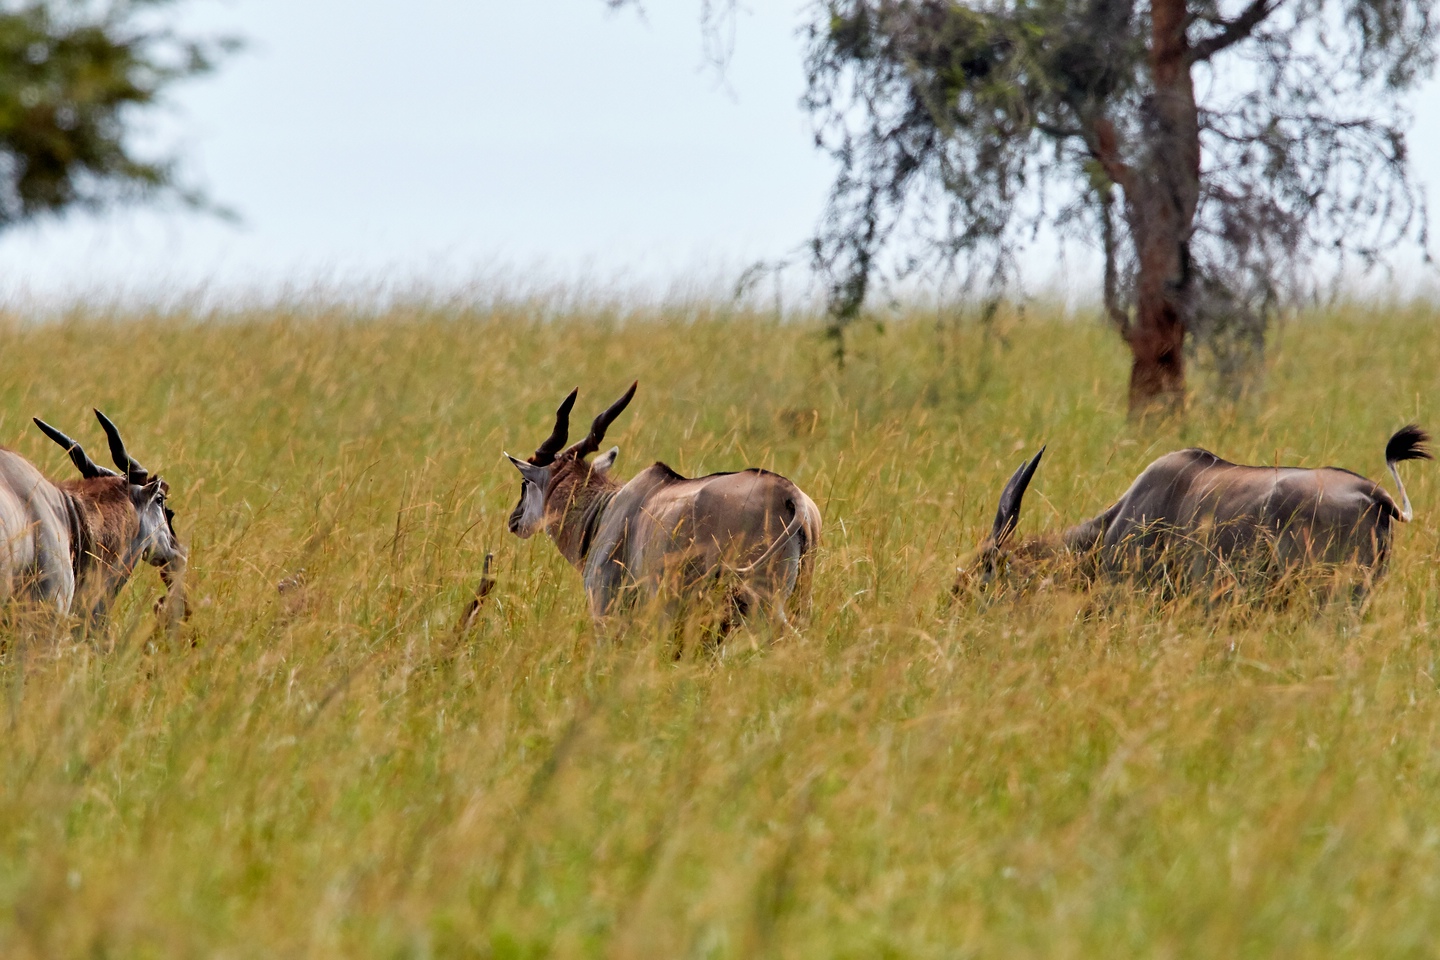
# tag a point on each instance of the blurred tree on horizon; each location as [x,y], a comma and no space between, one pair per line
[76,77]
[1212,150]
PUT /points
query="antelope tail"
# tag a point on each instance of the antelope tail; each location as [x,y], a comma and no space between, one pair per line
[790,529]
[1408,443]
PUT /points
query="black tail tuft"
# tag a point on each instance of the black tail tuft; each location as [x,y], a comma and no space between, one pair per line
[1408,444]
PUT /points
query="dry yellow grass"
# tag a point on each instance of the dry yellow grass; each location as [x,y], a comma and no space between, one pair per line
[331,772]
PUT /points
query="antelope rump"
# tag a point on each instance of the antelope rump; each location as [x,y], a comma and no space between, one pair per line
[1194,521]
[750,535]
[71,546]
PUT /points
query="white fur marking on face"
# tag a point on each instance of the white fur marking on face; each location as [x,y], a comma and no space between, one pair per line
[532,510]
[529,514]
[157,544]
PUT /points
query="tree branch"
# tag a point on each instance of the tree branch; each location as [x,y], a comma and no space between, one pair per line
[1059,133]
[1105,148]
[1234,30]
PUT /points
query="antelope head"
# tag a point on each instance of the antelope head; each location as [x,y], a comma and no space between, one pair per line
[996,561]
[554,479]
[127,517]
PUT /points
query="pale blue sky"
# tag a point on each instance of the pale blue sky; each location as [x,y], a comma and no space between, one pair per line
[439,140]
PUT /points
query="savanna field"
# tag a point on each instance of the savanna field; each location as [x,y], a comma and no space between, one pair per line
[332,770]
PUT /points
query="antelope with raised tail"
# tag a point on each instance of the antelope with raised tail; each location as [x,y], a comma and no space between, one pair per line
[71,546]
[1194,521]
[751,535]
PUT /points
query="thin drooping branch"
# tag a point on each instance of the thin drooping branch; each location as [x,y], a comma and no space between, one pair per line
[1114,309]
[717,28]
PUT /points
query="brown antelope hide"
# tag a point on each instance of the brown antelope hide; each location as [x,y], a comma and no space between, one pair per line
[749,535]
[1192,521]
[71,546]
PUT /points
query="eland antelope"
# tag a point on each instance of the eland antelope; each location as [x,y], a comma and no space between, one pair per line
[71,546]
[1192,520]
[750,535]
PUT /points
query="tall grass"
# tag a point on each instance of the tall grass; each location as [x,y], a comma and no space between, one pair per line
[331,771]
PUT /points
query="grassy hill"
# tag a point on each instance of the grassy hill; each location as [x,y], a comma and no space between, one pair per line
[331,771]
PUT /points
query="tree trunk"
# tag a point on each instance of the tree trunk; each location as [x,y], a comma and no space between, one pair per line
[1161,198]
[1156,335]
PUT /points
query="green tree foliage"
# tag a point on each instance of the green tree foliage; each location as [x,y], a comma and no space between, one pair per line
[1212,149]
[74,78]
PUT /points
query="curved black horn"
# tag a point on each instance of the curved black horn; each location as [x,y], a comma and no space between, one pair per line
[602,423]
[1008,516]
[134,472]
[88,468]
[545,453]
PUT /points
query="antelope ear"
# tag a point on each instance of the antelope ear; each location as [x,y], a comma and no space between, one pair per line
[144,495]
[528,470]
[605,461]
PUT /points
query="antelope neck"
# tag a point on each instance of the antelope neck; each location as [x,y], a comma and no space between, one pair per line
[591,520]
[576,529]
[81,556]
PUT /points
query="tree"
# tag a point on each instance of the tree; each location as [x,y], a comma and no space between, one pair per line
[74,78]
[1239,140]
